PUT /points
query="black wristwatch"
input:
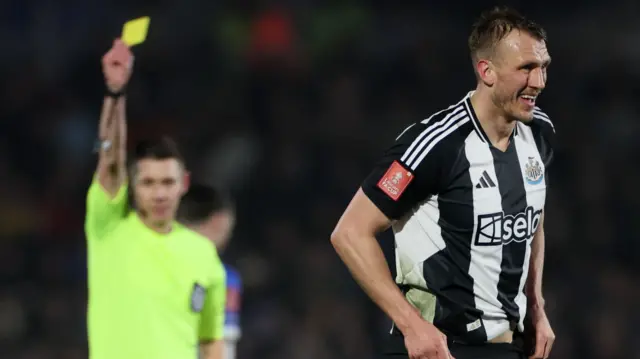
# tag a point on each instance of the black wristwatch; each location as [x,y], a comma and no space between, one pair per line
[112,94]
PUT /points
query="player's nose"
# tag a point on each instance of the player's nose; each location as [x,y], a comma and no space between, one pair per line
[537,79]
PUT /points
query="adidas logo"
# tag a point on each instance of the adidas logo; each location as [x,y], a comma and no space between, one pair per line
[485,181]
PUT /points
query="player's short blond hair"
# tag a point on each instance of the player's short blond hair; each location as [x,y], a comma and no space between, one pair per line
[494,25]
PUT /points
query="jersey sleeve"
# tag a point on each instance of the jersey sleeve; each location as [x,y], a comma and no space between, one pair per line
[212,318]
[103,213]
[232,330]
[409,171]
[545,133]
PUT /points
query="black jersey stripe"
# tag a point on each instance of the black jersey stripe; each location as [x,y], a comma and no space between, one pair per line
[514,201]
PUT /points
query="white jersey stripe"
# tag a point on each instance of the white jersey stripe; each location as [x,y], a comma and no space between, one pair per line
[405,130]
[541,114]
[537,113]
[430,127]
[545,119]
[454,108]
[450,129]
[484,266]
[442,126]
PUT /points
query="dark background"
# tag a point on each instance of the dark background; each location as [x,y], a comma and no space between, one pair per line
[289,103]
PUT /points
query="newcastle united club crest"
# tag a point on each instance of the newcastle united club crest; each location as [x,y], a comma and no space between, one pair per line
[533,172]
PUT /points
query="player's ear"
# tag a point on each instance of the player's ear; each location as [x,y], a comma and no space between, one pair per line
[486,72]
[186,182]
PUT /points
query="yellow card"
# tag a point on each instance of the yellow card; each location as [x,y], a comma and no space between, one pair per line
[134,32]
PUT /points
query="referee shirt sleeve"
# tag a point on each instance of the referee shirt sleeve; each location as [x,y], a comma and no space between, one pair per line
[103,213]
[409,171]
[212,317]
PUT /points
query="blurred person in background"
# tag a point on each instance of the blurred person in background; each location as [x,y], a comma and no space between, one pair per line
[210,212]
[156,288]
[464,192]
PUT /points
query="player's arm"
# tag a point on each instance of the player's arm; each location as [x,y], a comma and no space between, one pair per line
[213,349]
[385,196]
[212,316]
[536,267]
[355,242]
[542,335]
[106,199]
[543,127]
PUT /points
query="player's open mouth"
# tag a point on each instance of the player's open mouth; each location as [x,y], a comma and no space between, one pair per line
[528,100]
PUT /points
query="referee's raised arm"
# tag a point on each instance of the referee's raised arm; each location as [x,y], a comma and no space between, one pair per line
[107,196]
[117,66]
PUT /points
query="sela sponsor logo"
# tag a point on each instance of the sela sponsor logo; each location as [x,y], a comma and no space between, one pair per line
[497,228]
[395,180]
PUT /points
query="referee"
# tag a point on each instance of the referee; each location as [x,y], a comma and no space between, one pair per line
[156,288]
[464,192]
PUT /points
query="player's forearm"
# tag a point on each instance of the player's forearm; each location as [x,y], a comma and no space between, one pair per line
[212,350]
[365,260]
[536,266]
[112,153]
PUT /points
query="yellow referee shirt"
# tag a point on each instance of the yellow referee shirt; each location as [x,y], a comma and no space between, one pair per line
[151,295]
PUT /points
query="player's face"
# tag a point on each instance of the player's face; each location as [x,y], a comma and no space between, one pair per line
[159,185]
[521,74]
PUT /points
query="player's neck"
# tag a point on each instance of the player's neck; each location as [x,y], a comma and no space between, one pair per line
[493,121]
[158,227]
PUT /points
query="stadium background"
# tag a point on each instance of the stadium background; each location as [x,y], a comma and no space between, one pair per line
[289,103]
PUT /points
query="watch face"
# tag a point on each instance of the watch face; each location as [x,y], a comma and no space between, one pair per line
[106,144]
[102,145]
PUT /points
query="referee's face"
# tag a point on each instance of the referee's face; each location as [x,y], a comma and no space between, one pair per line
[159,185]
[521,74]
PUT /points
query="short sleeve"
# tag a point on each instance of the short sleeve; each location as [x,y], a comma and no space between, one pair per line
[233,305]
[545,134]
[409,171]
[103,212]
[212,317]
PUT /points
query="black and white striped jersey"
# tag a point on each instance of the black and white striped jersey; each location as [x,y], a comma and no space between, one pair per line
[465,216]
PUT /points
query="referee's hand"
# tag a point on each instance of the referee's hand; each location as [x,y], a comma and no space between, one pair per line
[117,64]
[424,341]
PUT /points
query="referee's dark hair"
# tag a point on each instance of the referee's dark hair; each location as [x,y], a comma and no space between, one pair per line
[495,24]
[156,149]
[201,202]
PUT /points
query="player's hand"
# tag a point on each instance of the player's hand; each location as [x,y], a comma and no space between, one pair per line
[543,335]
[425,341]
[117,64]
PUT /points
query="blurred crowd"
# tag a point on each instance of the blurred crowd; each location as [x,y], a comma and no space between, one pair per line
[288,104]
